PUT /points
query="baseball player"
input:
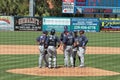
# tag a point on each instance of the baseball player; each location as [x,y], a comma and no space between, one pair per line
[41,40]
[52,41]
[68,43]
[75,47]
[63,33]
[82,40]
[62,36]
[45,56]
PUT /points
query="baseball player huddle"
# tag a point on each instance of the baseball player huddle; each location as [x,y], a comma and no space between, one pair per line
[72,45]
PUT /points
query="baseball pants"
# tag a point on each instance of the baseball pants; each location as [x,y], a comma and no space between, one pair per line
[75,50]
[81,53]
[42,56]
[68,54]
[52,57]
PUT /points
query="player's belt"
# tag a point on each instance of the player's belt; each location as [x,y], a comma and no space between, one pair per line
[41,44]
[68,44]
[51,45]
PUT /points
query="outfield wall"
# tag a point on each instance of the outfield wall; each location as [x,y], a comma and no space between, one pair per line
[73,24]
[9,23]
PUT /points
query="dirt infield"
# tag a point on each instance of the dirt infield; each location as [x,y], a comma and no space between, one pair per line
[28,49]
[87,71]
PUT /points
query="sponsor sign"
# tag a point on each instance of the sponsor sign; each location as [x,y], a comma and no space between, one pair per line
[6,23]
[28,24]
[87,24]
[68,6]
[110,23]
[56,23]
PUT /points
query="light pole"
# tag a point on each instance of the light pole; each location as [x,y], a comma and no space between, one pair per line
[32,8]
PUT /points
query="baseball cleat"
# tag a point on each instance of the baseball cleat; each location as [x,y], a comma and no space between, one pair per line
[50,67]
[40,66]
[66,66]
[81,66]
[72,66]
[46,65]
[55,67]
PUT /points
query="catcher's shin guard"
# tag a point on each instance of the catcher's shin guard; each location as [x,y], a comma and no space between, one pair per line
[50,63]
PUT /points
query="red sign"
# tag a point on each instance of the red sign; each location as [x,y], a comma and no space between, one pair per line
[68,0]
[68,6]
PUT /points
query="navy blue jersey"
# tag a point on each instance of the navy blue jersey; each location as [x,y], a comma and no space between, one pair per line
[71,33]
[76,39]
[82,40]
[52,40]
[62,36]
[68,40]
[42,39]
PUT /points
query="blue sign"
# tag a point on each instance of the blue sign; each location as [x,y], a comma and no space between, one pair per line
[87,24]
[97,6]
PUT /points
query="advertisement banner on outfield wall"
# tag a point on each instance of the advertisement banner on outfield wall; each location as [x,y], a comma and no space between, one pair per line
[110,23]
[56,23]
[28,23]
[87,24]
[6,23]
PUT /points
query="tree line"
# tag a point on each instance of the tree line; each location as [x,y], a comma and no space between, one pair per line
[42,8]
[21,7]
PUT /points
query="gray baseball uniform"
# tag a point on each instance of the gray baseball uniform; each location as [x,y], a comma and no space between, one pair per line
[82,43]
[42,39]
[75,49]
[52,41]
[68,42]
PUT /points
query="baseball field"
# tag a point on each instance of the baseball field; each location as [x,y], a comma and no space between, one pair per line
[19,58]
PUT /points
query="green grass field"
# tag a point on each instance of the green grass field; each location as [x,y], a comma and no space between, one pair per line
[107,39]
[106,62]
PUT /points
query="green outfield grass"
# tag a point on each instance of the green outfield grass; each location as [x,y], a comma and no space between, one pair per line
[106,62]
[107,39]
[103,39]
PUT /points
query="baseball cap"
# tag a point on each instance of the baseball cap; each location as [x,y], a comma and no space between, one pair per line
[65,27]
[82,31]
[45,32]
[75,31]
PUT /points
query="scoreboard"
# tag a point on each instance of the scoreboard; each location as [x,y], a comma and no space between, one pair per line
[96,6]
[108,3]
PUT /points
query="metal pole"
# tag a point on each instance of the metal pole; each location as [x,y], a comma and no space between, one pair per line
[32,8]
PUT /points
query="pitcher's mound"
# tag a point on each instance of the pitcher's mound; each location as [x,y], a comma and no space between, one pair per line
[61,71]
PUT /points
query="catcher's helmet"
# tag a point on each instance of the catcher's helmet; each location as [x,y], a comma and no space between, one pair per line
[52,32]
